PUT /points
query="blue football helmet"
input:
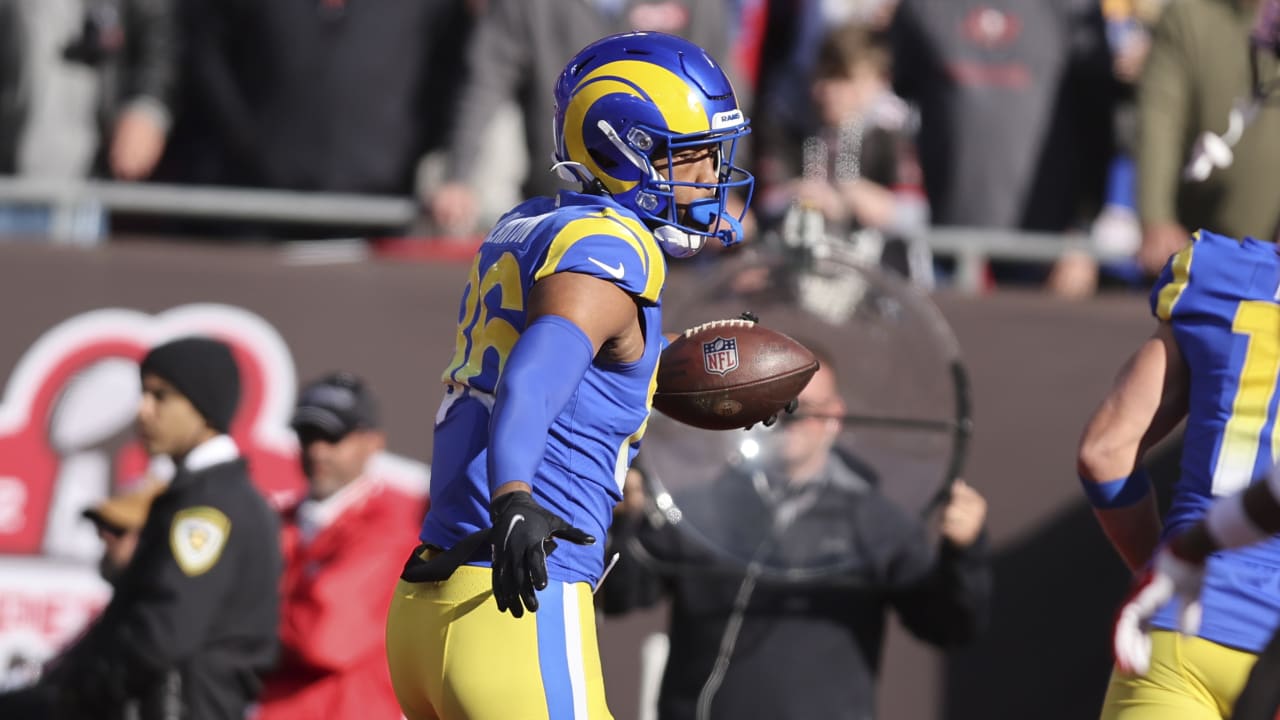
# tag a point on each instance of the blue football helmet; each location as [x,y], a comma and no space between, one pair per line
[627,99]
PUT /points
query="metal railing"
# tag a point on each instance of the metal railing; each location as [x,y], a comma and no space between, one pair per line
[70,200]
[973,247]
[68,203]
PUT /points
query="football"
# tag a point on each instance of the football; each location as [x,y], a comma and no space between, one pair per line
[730,374]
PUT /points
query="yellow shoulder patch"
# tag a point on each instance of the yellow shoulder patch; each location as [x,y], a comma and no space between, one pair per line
[197,537]
[1172,291]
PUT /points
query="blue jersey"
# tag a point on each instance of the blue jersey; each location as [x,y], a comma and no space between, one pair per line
[593,440]
[1220,297]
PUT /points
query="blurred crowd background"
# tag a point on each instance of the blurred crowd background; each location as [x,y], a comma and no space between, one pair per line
[974,142]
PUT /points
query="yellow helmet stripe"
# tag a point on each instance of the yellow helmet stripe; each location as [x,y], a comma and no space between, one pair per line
[673,97]
[677,102]
[584,97]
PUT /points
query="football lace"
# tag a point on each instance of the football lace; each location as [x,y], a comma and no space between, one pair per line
[717,324]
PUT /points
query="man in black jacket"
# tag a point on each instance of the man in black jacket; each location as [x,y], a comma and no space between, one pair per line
[744,643]
[12,90]
[192,622]
[328,96]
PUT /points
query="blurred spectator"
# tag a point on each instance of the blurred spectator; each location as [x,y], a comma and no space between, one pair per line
[1116,231]
[746,645]
[12,90]
[343,545]
[86,88]
[789,45]
[133,46]
[54,134]
[1198,71]
[119,520]
[192,621]
[56,56]
[852,160]
[1015,99]
[517,51]
[332,95]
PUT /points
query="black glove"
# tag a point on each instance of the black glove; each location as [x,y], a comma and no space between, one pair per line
[789,409]
[523,535]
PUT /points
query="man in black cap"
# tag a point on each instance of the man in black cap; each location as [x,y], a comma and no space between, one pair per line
[193,619]
[344,545]
[337,424]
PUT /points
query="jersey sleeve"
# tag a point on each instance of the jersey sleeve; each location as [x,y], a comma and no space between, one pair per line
[609,246]
[1173,281]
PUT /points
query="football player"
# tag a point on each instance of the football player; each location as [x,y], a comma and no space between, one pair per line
[550,385]
[1215,360]
[1247,517]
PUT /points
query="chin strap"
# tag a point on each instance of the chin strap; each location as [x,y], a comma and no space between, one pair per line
[677,243]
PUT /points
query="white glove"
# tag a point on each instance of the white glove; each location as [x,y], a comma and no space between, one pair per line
[1209,153]
[1170,577]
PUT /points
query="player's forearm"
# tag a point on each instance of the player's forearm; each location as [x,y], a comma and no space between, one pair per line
[543,372]
[1133,530]
[1126,510]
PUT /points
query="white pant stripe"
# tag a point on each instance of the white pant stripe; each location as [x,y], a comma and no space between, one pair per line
[573,649]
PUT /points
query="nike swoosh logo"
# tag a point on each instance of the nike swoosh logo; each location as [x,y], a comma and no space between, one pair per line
[616,272]
[512,526]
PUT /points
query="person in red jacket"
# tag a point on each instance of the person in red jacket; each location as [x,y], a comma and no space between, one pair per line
[344,545]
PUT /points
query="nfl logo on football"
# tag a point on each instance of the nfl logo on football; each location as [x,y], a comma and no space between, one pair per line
[720,356]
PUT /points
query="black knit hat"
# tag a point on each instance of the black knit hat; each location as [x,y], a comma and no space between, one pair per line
[204,371]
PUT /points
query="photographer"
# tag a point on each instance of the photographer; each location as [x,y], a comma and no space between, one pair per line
[744,646]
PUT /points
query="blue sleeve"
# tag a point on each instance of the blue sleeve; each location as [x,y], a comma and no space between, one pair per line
[542,374]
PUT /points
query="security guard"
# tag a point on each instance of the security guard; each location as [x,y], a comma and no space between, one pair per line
[193,619]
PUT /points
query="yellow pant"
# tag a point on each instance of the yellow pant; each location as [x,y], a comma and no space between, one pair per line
[1190,679]
[453,656]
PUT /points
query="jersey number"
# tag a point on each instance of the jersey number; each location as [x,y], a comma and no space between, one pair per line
[1260,322]
[477,331]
